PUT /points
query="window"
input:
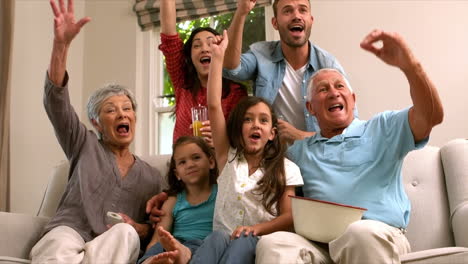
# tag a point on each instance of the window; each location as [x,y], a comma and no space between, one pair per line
[161,123]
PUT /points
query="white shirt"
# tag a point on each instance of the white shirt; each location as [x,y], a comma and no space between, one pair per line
[289,104]
[236,203]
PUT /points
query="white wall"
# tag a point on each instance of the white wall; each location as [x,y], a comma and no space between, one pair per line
[104,52]
[34,149]
[437,33]
[110,49]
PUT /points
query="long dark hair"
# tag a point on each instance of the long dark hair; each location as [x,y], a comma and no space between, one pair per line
[192,82]
[176,186]
[273,182]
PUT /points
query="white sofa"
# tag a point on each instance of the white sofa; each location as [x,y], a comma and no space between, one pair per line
[436,180]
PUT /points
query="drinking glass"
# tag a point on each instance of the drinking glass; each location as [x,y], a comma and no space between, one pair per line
[199,114]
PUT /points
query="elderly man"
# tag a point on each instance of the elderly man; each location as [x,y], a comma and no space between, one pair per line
[359,163]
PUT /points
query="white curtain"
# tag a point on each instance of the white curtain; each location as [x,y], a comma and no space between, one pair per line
[6,38]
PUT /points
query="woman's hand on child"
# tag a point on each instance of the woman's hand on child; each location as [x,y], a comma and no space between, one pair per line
[153,207]
[244,230]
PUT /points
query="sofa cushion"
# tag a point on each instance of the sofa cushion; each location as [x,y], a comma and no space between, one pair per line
[423,178]
[19,233]
[160,162]
[452,255]
[55,189]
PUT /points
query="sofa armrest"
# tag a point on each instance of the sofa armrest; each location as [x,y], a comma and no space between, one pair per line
[454,156]
[460,228]
[19,233]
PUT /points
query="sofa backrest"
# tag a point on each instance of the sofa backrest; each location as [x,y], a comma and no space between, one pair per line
[455,160]
[54,190]
[59,178]
[423,178]
[424,181]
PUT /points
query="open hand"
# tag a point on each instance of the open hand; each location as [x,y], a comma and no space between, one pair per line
[65,27]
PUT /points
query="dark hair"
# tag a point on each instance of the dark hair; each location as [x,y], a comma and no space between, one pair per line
[273,182]
[176,186]
[192,83]
[275,7]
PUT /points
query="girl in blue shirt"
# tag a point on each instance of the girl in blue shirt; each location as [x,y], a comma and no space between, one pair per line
[189,209]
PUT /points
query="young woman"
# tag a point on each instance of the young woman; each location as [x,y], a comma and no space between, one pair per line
[188,65]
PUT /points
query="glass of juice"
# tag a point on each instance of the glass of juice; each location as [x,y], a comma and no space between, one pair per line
[199,114]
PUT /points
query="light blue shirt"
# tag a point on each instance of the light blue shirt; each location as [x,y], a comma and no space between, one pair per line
[361,167]
[265,64]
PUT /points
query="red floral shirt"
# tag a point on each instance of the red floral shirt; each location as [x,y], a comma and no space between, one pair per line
[172,48]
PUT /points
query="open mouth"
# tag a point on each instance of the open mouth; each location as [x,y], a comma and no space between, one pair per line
[255,136]
[123,128]
[335,107]
[205,60]
[296,28]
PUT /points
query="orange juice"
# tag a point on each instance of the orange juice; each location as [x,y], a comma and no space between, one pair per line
[197,125]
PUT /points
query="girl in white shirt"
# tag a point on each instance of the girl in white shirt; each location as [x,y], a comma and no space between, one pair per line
[256,179]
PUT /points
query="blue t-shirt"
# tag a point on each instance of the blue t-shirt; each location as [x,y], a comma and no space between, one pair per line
[193,221]
[361,167]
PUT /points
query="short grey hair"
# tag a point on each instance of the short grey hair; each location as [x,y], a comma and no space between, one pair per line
[311,86]
[100,95]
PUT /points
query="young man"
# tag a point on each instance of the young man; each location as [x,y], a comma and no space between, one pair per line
[280,69]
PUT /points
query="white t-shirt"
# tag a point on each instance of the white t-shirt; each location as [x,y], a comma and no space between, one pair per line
[289,103]
[236,204]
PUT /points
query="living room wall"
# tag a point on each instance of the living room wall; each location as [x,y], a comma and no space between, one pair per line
[34,149]
[110,49]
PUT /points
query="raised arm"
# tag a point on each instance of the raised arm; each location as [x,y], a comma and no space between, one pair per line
[168,17]
[235,30]
[215,110]
[65,30]
[427,108]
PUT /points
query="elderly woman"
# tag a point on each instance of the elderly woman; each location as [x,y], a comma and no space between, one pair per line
[104,175]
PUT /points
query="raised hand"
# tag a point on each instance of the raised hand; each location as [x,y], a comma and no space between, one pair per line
[218,45]
[394,50]
[245,6]
[65,27]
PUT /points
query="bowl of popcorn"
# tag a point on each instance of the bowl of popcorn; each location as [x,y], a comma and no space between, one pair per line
[322,221]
